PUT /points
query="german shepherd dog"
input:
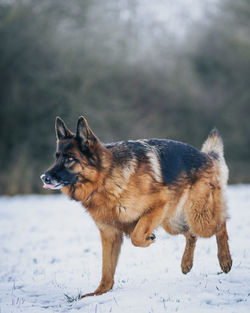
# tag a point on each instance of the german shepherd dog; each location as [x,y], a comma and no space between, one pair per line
[133,187]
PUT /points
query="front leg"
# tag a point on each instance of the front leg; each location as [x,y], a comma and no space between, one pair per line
[111,245]
[142,235]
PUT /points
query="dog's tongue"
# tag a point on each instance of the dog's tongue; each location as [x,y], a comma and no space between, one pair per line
[48,186]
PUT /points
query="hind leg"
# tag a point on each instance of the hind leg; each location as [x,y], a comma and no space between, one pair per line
[223,249]
[188,255]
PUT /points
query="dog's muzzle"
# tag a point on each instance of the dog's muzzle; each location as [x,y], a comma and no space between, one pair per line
[49,182]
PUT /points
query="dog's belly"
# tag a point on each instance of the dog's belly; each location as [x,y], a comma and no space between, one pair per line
[175,221]
[179,224]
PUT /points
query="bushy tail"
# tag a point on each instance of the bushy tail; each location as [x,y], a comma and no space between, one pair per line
[213,146]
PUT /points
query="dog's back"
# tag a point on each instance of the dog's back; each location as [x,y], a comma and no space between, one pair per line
[170,160]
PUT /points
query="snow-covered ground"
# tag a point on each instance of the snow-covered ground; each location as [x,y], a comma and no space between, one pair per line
[50,247]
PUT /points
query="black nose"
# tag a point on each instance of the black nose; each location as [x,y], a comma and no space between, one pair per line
[46,178]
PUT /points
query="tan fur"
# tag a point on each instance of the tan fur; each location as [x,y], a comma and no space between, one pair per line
[187,258]
[214,143]
[133,200]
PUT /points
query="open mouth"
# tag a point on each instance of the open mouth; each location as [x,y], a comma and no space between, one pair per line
[51,183]
[50,186]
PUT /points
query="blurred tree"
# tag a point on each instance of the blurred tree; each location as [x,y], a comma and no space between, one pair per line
[93,58]
[221,59]
[31,92]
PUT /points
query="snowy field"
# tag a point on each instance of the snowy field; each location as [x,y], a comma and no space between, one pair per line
[49,248]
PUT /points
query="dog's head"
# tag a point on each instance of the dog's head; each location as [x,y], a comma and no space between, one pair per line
[78,157]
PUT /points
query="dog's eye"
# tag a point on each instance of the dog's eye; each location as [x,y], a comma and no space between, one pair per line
[69,160]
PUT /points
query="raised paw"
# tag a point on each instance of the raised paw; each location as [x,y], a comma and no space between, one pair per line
[151,237]
[142,241]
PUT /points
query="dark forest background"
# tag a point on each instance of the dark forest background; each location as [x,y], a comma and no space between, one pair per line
[131,78]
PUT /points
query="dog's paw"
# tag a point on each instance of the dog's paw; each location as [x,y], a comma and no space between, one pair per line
[142,241]
[103,288]
[151,237]
[225,262]
[186,266]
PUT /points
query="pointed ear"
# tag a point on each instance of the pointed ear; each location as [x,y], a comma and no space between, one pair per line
[84,133]
[62,131]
